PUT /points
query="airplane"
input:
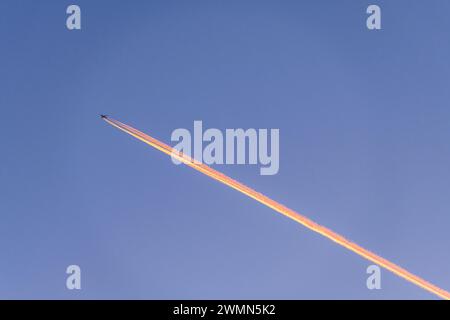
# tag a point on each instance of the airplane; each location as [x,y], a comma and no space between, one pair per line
[103,116]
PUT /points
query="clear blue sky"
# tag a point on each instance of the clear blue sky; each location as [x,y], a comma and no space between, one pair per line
[364,138]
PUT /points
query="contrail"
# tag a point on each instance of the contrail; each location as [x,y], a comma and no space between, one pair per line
[280,208]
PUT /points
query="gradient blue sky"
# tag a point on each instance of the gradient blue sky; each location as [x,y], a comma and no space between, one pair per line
[364,129]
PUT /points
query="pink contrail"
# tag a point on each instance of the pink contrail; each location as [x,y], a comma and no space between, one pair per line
[281,209]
